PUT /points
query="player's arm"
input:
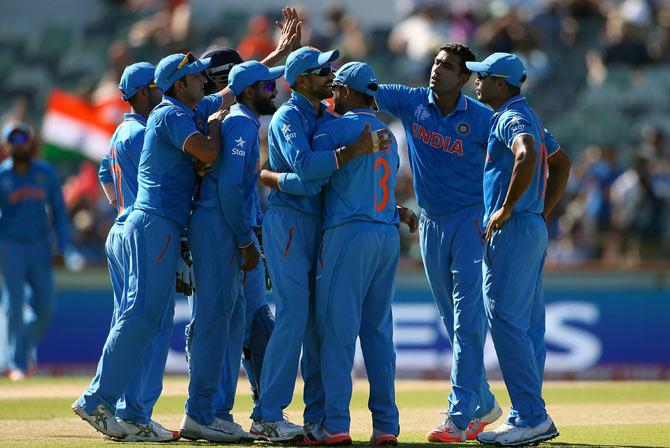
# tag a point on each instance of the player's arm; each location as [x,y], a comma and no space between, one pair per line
[559,164]
[525,156]
[391,98]
[206,148]
[289,38]
[107,181]
[60,221]
[291,183]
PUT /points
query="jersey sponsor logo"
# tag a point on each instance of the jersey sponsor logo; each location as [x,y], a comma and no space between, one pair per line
[436,140]
[421,112]
[26,193]
[288,134]
[238,150]
[517,124]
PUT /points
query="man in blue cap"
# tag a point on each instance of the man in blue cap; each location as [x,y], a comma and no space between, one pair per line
[222,241]
[447,133]
[31,206]
[292,234]
[522,183]
[356,270]
[166,183]
[118,176]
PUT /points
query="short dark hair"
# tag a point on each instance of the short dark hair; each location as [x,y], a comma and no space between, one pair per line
[462,51]
[514,90]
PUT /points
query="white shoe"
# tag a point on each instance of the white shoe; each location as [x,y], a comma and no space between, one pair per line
[150,432]
[215,432]
[101,420]
[234,427]
[16,375]
[447,432]
[490,436]
[478,424]
[281,431]
[525,435]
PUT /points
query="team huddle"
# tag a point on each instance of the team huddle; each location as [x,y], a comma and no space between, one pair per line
[182,171]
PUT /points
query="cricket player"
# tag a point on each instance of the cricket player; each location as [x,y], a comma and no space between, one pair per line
[292,234]
[118,176]
[222,241]
[166,183]
[447,133]
[29,193]
[356,269]
[517,178]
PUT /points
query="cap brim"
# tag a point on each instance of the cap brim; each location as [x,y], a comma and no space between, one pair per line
[198,66]
[328,56]
[476,66]
[275,72]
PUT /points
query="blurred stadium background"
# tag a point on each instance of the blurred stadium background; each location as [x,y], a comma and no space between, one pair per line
[599,76]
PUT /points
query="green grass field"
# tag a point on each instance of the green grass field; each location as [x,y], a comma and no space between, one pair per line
[619,414]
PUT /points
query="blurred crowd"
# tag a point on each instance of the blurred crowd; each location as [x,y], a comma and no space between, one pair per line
[591,64]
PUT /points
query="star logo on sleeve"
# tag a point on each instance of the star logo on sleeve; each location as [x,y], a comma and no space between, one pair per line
[240,142]
[286,130]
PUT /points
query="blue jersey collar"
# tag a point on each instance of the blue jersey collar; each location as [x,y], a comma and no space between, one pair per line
[135,117]
[247,112]
[461,104]
[175,102]
[509,102]
[304,104]
[361,110]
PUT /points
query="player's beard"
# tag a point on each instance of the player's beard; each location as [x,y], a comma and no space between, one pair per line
[265,106]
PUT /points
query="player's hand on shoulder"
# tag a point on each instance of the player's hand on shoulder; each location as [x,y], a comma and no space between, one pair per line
[250,257]
[217,117]
[408,217]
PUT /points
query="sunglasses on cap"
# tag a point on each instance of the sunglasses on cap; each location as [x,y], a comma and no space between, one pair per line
[482,75]
[188,58]
[18,137]
[320,71]
[269,86]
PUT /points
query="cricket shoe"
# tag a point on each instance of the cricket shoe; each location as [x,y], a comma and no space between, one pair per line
[477,425]
[16,375]
[381,438]
[525,435]
[149,432]
[217,431]
[447,432]
[324,438]
[490,436]
[102,420]
[279,431]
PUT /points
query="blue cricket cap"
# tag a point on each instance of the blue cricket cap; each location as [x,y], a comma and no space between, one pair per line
[359,76]
[176,66]
[306,58]
[247,73]
[135,76]
[16,126]
[503,65]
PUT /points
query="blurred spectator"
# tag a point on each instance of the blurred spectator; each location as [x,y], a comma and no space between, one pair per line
[507,32]
[258,41]
[168,25]
[343,32]
[106,93]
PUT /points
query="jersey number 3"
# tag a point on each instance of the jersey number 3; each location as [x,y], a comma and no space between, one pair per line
[383,183]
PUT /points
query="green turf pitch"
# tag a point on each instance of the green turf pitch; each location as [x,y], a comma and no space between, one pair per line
[619,414]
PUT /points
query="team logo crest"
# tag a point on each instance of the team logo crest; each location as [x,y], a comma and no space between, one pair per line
[421,112]
[463,129]
[288,133]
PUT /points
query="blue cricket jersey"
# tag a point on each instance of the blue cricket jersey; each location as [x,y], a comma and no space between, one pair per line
[119,165]
[231,183]
[363,189]
[514,118]
[27,201]
[166,175]
[206,107]
[289,137]
[446,153]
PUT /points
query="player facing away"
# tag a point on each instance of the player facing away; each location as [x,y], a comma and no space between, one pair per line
[355,279]
[31,207]
[118,176]
[222,241]
[292,234]
[447,133]
[517,178]
[166,182]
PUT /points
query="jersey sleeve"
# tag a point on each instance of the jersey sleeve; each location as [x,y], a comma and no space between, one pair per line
[512,126]
[105,171]
[209,104]
[176,126]
[551,143]
[390,98]
[237,165]
[292,184]
[296,149]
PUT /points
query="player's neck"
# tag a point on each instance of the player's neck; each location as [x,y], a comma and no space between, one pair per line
[315,102]
[447,101]
[21,166]
[250,105]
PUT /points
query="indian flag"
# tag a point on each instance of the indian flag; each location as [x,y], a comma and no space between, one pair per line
[75,129]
